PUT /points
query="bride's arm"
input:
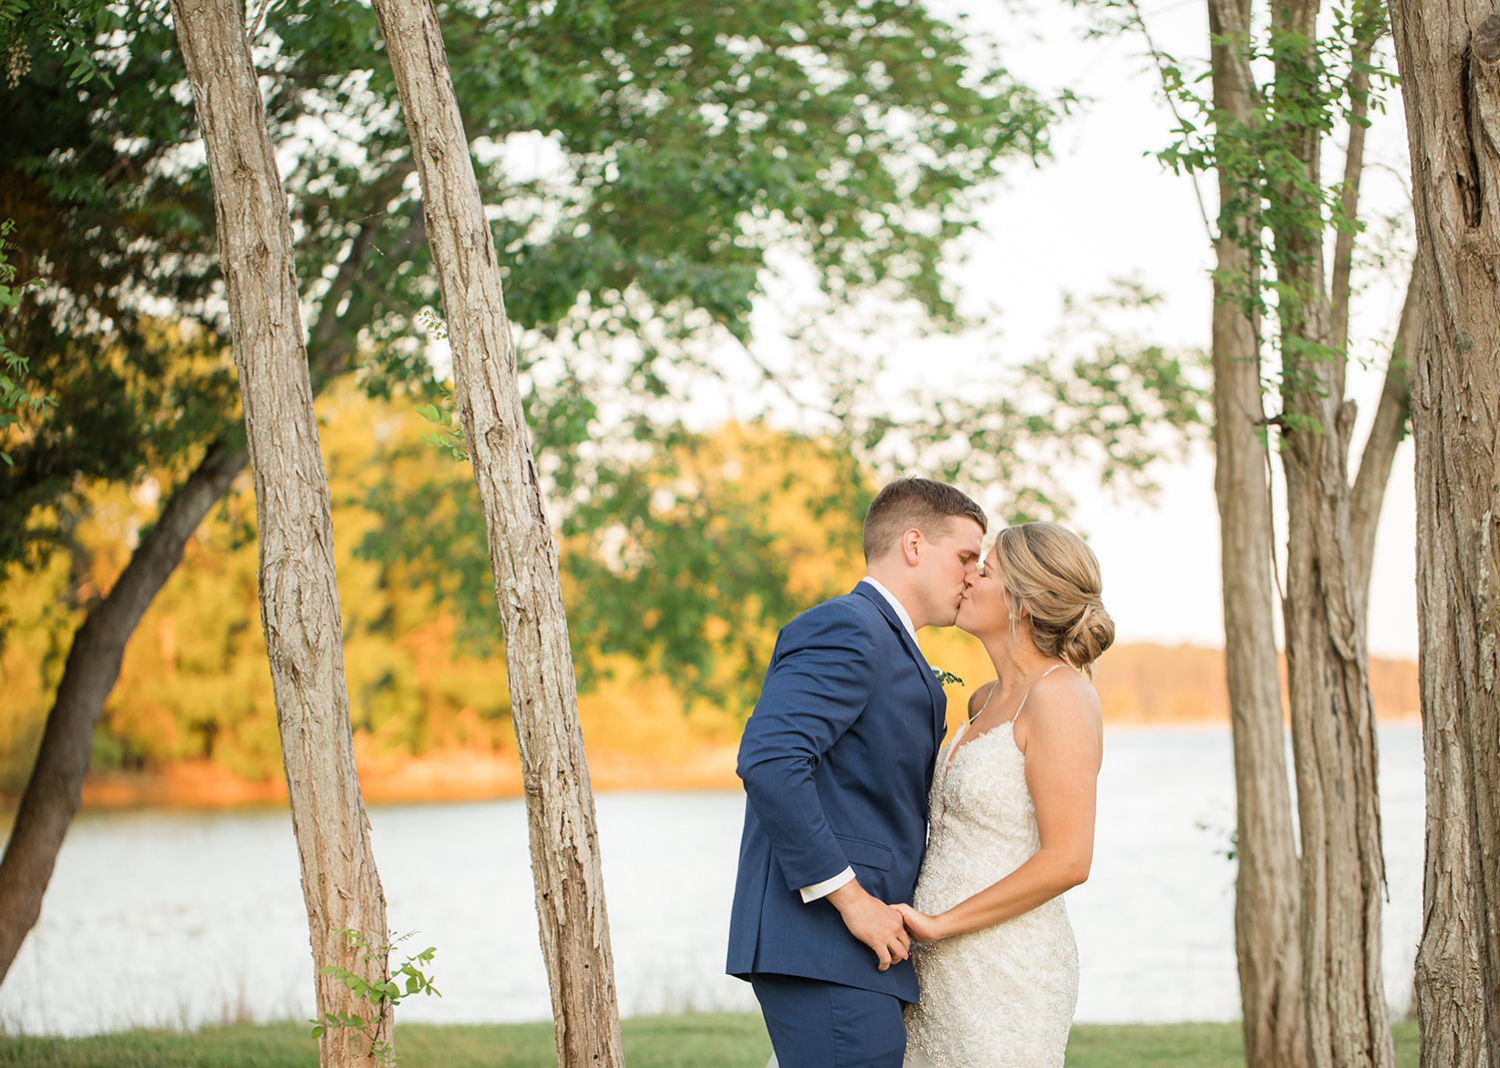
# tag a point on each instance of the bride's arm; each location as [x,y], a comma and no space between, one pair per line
[1062,737]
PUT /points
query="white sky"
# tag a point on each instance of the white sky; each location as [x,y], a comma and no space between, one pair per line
[1103,209]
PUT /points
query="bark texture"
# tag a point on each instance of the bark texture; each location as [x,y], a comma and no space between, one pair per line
[299,596]
[559,801]
[1449,57]
[1266,886]
[54,790]
[1333,741]
[1333,718]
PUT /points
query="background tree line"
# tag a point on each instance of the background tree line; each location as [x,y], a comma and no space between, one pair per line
[424,664]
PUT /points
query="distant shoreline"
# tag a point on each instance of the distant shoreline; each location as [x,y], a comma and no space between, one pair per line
[458,776]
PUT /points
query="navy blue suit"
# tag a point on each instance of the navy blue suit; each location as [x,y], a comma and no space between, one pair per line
[836,759]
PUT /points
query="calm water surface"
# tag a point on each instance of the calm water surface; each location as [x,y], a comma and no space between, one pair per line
[177,919]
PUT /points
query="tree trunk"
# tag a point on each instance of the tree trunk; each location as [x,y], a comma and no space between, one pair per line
[1266,887]
[55,787]
[299,596]
[1450,73]
[1333,739]
[1333,718]
[559,801]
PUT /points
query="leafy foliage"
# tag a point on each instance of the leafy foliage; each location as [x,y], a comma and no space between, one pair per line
[407,980]
[642,158]
[15,400]
[645,165]
[67,30]
[642,161]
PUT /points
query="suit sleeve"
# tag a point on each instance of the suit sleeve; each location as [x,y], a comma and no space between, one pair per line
[820,680]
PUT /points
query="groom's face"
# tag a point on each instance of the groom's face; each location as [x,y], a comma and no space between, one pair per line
[947,567]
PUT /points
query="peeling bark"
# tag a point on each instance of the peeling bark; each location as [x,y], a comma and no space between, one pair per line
[559,801]
[1449,56]
[298,591]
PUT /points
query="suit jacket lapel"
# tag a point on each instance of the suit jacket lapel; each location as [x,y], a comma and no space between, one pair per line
[934,688]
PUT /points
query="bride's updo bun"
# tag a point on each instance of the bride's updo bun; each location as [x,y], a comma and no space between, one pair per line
[1052,580]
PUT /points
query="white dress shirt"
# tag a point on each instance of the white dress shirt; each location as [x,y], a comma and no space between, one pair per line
[828,886]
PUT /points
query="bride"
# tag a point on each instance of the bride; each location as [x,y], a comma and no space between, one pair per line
[1012,815]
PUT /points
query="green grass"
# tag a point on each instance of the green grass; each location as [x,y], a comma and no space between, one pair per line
[1192,1045]
[729,1040]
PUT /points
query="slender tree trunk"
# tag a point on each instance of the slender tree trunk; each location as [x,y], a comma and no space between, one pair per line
[1266,887]
[1333,735]
[559,801]
[299,596]
[1449,57]
[55,787]
[1333,718]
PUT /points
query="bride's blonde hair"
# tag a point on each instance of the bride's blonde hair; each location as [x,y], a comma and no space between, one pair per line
[1052,579]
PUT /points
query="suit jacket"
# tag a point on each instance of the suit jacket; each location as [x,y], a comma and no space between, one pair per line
[837,759]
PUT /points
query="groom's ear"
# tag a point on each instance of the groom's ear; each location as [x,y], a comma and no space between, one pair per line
[912,545]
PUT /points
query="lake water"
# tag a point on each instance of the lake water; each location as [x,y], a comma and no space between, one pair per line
[181,918]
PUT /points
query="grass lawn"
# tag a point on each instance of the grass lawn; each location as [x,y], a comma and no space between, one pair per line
[731,1040]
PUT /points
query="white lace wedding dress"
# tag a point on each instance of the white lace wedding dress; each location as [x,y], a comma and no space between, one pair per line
[1002,997]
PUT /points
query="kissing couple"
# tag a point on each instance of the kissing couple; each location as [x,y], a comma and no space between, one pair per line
[875,859]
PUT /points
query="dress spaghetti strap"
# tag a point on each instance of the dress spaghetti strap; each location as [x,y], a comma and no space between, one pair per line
[963,730]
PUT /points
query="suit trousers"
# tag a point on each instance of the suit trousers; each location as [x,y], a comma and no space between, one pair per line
[816,1024]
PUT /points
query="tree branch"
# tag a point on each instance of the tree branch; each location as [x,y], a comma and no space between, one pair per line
[1354,155]
[1386,433]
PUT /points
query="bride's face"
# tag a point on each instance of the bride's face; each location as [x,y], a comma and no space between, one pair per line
[983,610]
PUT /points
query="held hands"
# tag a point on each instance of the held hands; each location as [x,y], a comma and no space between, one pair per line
[873,922]
[922,927]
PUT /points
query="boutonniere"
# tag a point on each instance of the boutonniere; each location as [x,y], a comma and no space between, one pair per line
[947,678]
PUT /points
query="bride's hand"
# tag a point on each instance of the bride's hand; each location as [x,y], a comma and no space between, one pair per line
[923,927]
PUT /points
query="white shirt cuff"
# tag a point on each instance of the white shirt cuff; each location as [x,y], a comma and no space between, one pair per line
[821,890]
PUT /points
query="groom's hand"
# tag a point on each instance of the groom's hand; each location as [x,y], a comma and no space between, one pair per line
[873,922]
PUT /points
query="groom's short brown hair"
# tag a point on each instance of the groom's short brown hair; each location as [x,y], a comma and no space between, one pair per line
[919,503]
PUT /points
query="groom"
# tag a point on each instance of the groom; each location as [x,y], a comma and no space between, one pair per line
[837,760]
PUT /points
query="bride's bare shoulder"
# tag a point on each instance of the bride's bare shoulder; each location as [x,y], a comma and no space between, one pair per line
[1065,701]
[1067,686]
